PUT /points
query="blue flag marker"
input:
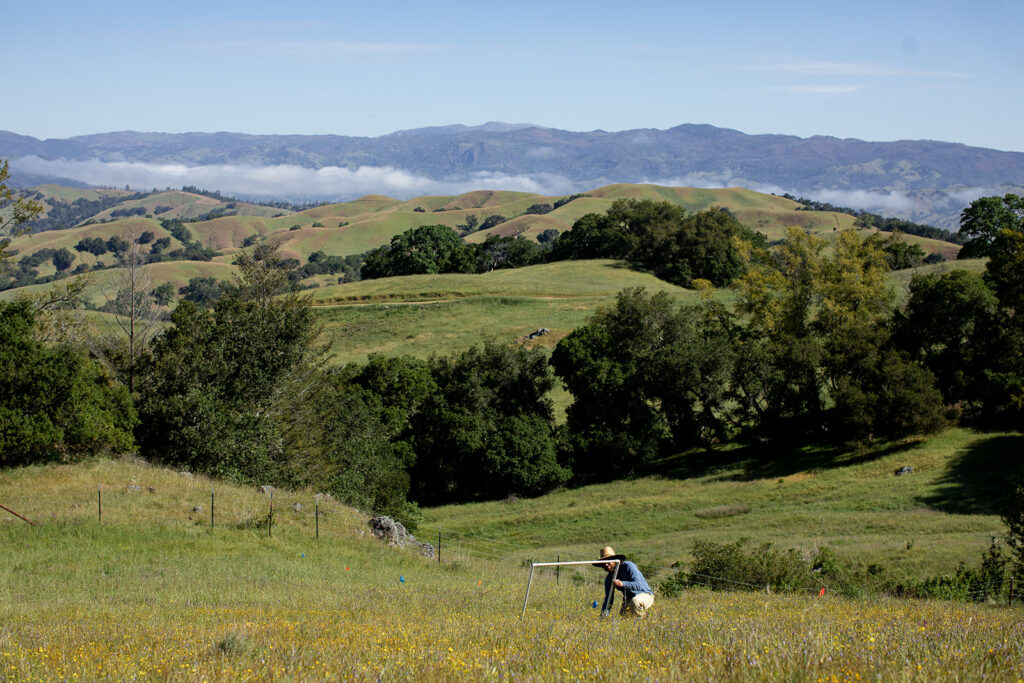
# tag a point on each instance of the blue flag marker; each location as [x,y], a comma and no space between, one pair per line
[594,604]
[303,554]
[402,579]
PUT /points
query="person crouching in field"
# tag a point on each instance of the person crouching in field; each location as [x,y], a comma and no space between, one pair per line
[637,596]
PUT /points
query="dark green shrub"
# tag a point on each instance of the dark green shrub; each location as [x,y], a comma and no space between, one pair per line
[56,404]
[969,584]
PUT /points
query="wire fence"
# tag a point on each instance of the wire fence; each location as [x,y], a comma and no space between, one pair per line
[451,546]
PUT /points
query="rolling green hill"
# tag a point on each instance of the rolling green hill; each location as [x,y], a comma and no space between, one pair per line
[71,194]
[424,314]
[927,522]
[369,222]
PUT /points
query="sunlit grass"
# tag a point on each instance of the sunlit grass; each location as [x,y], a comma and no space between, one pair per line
[154,593]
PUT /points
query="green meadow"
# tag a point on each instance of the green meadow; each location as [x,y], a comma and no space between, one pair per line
[153,592]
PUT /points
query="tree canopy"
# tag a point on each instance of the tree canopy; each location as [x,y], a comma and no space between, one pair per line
[56,404]
[661,237]
[15,211]
[985,219]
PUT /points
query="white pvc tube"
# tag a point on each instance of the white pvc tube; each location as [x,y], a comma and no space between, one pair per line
[618,563]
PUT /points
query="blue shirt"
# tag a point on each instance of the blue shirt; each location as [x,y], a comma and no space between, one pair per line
[633,582]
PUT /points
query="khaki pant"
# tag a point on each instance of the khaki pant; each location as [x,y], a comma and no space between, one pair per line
[640,603]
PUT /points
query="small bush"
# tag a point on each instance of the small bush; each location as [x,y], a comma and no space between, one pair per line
[727,566]
[674,585]
[969,584]
[409,516]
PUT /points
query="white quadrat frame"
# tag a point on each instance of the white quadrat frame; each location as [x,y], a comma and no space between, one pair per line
[593,563]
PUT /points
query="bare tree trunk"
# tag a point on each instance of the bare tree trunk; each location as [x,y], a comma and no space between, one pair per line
[135,314]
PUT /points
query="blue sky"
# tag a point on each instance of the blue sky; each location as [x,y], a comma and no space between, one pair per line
[872,70]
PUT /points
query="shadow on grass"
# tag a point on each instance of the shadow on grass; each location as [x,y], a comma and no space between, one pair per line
[750,462]
[981,479]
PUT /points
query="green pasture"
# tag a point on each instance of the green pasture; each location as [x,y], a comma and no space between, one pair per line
[425,329]
[425,314]
[561,279]
[152,592]
[900,279]
[913,525]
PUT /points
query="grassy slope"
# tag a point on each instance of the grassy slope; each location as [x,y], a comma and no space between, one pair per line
[153,593]
[424,314]
[72,194]
[916,524]
[104,283]
[187,205]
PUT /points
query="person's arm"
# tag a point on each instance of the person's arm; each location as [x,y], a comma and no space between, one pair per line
[632,580]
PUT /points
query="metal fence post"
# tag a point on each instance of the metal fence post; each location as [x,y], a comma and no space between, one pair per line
[439,545]
[317,513]
[99,504]
[211,508]
[270,518]
[558,558]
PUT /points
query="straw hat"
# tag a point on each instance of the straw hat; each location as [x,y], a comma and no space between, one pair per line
[608,555]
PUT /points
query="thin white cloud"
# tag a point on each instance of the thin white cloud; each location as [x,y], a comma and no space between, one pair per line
[716,181]
[850,69]
[854,199]
[285,180]
[865,199]
[328,48]
[815,89]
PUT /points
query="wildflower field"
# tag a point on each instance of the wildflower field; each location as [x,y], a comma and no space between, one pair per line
[154,593]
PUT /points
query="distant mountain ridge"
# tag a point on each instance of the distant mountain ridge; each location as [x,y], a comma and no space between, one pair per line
[938,176]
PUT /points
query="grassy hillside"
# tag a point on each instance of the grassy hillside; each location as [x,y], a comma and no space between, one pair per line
[186,205]
[72,194]
[371,221]
[154,593]
[913,525]
[103,283]
[391,315]
[424,314]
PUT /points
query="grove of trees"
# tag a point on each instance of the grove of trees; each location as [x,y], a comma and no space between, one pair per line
[658,236]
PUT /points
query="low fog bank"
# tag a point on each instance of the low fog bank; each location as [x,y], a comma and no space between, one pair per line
[333,183]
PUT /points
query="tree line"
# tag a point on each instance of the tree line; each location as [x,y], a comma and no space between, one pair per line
[659,236]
